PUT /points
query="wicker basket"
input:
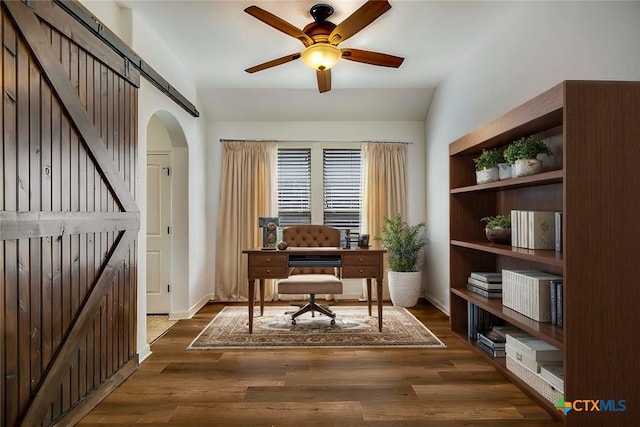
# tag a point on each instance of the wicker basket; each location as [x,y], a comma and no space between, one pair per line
[534,380]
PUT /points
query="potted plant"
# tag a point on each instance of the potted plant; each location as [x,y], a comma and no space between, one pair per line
[523,154]
[404,244]
[498,228]
[487,165]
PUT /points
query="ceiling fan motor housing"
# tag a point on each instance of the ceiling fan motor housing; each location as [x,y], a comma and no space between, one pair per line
[319,31]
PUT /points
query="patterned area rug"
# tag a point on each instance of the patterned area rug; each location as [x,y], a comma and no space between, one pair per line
[353,328]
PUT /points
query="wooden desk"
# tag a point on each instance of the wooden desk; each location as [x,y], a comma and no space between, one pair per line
[273,264]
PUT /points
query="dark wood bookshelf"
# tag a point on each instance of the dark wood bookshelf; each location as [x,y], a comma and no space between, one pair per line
[592,179]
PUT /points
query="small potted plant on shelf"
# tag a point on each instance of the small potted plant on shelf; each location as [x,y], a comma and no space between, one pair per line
[487,165]
[404,244]
[498,228]
[523,155]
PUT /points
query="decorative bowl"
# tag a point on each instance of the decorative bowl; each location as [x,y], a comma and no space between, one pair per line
[498,235]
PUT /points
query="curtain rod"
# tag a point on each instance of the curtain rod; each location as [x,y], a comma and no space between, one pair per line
[310,141]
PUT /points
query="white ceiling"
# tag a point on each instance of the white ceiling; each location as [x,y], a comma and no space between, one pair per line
[217,41]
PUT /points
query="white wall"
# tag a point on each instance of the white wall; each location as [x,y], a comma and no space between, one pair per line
[158,138]
[539,45]
[132,28]
[412,132]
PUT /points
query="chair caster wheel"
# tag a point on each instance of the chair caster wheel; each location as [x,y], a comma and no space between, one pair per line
[333,321]
[293,322]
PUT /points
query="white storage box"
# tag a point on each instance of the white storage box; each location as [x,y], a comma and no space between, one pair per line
[520,357]
[554,375]
[531,351]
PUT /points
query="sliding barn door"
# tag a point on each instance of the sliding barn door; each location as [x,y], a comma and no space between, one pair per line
[68,218]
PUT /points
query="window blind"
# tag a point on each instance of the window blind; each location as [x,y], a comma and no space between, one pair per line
[342,195]
[294,186]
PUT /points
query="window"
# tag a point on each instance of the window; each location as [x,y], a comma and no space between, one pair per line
[294,186]
[341,188]
[320,184]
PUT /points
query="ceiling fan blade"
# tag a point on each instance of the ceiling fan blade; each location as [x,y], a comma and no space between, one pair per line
[373,58]
[368,12]
[279,24]
[324,80]
[273,63]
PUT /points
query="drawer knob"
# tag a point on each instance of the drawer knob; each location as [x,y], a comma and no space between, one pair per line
[268,271]
[268,259]
[361,260]
[361,271]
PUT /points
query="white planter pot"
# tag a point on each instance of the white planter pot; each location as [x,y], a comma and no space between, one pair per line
[487,175]
[404,288]
[526,167]
[504,171]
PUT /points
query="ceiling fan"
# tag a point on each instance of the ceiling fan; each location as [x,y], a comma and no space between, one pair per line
[322,37]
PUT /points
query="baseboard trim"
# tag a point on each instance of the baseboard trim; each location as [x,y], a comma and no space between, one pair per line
[144,353]
[179,315]
[438,304]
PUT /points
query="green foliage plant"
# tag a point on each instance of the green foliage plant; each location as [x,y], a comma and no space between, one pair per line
[498,221]
[488,159]
[403,242]
[526,148]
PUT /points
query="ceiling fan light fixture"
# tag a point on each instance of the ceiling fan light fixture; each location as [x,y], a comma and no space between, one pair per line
[321,56]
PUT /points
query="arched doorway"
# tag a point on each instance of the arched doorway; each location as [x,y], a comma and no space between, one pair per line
[167,213]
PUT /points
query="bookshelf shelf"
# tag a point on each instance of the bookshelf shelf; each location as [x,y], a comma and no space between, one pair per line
[536,255]
[546,331]
[580,120]
[551,177]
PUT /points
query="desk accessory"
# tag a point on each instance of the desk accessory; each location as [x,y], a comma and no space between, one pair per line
[269,232]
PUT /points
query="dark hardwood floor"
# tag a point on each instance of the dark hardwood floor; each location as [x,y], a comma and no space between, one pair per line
[331,387]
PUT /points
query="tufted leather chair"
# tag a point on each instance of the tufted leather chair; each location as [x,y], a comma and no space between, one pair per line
[311,280]
[312,236]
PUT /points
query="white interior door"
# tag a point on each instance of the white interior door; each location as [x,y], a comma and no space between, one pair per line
[158,233]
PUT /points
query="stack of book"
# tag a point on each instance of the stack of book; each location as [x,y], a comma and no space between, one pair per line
[536,229]
[480,321]
[488,284]
[492,343]
[529,292]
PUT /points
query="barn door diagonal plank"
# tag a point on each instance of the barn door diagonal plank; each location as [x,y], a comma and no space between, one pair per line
[29,27]
[59,367]
[59,18]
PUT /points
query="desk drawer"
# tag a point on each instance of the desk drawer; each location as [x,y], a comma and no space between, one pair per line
[363,271]
[360,258]
[268,272]
[268,260]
